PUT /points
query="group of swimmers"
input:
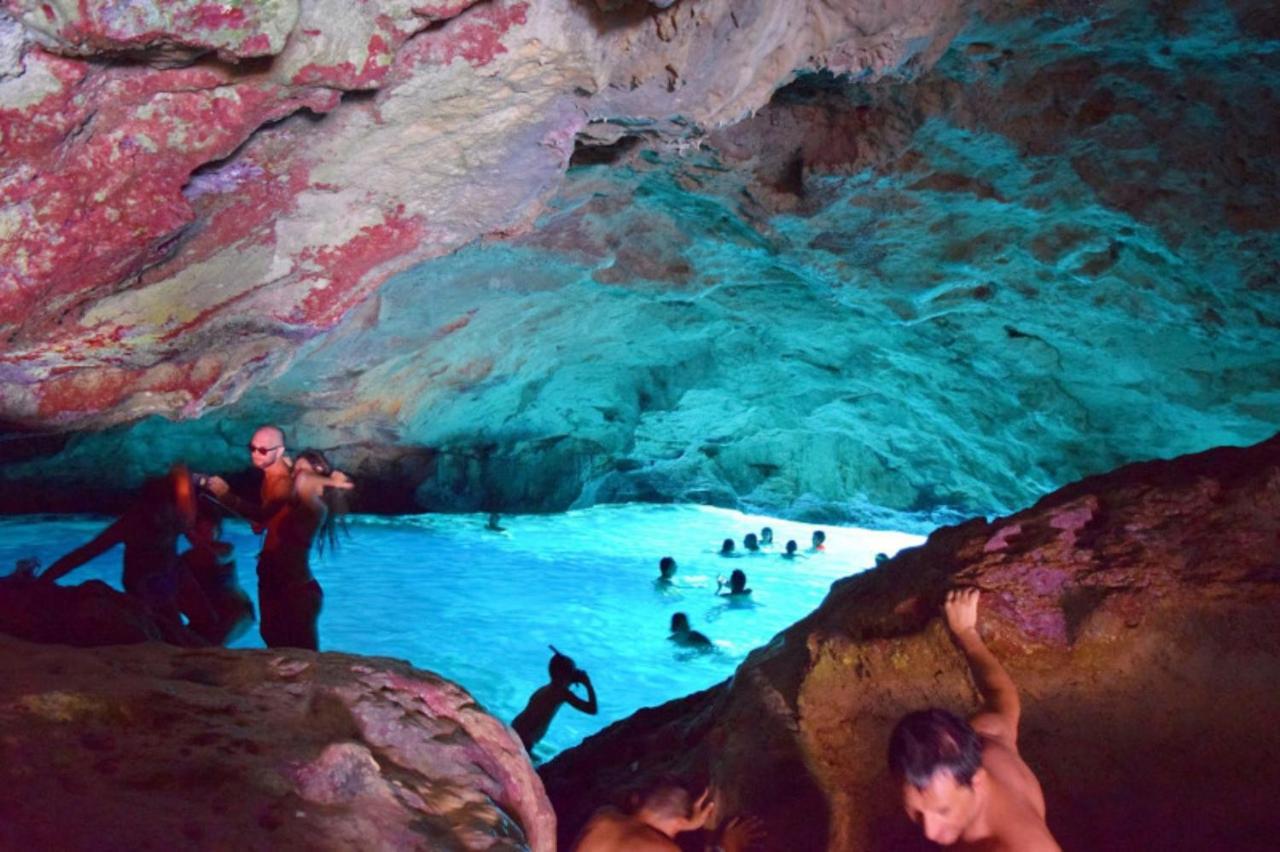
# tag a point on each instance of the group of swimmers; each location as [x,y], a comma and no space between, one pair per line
[300,503]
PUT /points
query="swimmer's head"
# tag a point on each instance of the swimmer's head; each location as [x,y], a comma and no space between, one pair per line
[750,543]
[881,559]
[737,580]
[818,538]
[679,622]
[727,546]
[667,566]
[561,668]
[766,535]
[937,759]
[791,546]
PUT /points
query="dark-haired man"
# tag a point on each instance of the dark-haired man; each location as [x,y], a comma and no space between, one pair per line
[661,812]
[965,783]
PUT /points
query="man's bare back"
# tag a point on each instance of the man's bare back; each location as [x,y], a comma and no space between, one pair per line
[610,830]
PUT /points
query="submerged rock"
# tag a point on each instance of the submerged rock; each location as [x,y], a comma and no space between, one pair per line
[1137,612]
[151,747]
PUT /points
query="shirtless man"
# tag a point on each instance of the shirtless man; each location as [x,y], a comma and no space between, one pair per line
[532,723]
[663,812]
[965,784]
[267,452]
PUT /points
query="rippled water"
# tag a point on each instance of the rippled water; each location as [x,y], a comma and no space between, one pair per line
[481,607]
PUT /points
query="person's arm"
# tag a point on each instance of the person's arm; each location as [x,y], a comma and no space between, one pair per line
[590,707]
[740,833]
[1001,707]
[277,495]
[100,544]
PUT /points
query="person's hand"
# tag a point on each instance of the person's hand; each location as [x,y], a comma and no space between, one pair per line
[581,677]
[961,609]
[338,479]
[217,486]
[703,807]
[741,832]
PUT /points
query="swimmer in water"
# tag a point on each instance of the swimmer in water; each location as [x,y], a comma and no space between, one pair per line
[791,549]
[666,571]
[750,543]
[737,585]
[819,541]
[726,548]
[881,559]
[685,636]
[766,537]
[532,723]
[493,525]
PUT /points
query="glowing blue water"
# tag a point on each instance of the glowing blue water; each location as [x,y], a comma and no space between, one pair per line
[481,607]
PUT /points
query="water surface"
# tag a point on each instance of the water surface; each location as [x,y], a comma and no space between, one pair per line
[481,607]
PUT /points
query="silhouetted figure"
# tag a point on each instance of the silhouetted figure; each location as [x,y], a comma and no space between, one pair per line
[666,571]
[289,596]
[736,587]
[726,548]
[819,540]
[209,594]
[881,559]
[766,537]
[791,549]
[493,525]
[965,783]
[685,636]
[750,543]
[532,723]
[149,530]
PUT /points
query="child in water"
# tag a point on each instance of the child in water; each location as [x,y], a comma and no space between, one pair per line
[535,718]
[684,635]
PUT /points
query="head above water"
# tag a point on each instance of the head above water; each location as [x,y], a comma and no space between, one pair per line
[791,545]
[679,622]
[266,447]
[666,566]
[881,558]
[562,669]
[937,758]
[819,537]
[727,546]
[766,535]
[750,542]
[737,580]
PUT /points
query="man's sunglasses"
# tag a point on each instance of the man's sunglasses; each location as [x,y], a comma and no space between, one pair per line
[262,451]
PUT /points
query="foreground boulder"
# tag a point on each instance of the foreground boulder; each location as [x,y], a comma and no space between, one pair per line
[153,747]
[86,615]
[1138,613]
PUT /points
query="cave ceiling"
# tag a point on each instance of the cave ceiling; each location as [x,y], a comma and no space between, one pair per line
[864,261]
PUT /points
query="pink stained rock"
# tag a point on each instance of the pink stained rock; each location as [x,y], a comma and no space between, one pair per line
[151,747]
[1145,645]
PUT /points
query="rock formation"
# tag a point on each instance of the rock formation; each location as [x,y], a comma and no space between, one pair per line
[1137,612]
[152,747]
[818,259]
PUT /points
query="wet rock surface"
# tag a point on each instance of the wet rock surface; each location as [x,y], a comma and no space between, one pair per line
[1137,612]
[152,747]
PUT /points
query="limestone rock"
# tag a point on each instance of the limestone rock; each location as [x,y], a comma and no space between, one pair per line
[1137,613]
[150,747]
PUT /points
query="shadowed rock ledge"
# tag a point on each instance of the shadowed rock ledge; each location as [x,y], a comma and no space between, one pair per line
[153,747]
[1138,613]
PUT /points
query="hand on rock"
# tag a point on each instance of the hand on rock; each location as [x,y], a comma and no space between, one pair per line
[741,832]
[961,609]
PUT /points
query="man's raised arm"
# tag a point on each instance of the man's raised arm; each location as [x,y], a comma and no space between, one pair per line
[1001,708]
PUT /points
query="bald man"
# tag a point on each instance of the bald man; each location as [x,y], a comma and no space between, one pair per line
[268,454]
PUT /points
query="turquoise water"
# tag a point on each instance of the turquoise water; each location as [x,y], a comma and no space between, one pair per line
[481,607]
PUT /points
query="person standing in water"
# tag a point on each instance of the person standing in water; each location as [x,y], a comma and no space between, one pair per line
[666,571]
[288,595]
[737,585]
[532,723]
[791,549]
[684,635]
[268,455]
[964,783]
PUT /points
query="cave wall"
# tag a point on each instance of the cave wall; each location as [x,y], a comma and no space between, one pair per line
[841,264]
